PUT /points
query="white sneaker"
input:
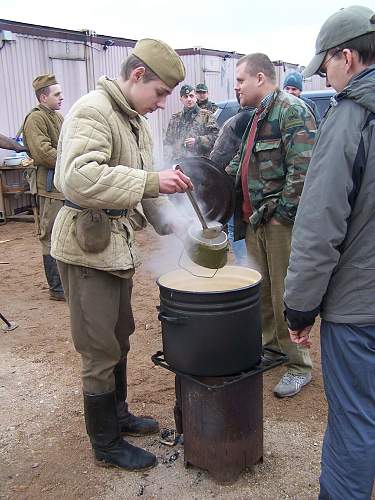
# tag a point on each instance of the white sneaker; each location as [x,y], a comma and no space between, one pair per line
[291,384]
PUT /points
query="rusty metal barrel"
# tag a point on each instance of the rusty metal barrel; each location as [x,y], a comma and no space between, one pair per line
[223,428]
[221,419]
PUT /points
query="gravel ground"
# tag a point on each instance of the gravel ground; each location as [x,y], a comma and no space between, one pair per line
[45,453]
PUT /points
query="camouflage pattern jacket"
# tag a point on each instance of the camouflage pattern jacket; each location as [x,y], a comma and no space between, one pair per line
[280,156]
[210,105]
[197,123]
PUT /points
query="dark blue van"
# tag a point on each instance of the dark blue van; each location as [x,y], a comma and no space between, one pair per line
[227,109]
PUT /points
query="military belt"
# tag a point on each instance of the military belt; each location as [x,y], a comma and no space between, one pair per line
[109,211]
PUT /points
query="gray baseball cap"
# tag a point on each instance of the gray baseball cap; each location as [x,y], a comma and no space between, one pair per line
[342,26]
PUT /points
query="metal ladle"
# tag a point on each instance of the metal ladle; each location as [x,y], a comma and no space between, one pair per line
[208,231]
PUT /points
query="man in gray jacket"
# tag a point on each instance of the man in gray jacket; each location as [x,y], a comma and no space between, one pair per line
[332,264]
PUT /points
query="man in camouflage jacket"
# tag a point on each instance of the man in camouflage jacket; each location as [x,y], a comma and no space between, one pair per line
[202,98]
[270,171]
[191,132]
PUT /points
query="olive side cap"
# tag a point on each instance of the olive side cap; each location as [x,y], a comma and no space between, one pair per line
[162,60]
[42,81]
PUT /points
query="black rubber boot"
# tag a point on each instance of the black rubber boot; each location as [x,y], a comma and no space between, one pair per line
[129,423]
[103,429]
[56,291]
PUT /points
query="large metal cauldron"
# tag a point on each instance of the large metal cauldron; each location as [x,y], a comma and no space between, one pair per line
[211,326]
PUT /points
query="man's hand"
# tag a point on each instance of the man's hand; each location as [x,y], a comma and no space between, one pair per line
[301,337]
[189,142]
[174,181]
[22,149]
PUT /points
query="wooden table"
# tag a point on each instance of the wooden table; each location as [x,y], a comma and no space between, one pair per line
[10,190]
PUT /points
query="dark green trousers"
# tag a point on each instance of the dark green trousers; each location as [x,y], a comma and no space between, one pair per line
[101,321]
[269,251]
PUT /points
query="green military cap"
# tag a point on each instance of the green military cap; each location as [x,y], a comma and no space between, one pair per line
[201,87]
[42,81]
[162,60]
[343,26]
[186,89]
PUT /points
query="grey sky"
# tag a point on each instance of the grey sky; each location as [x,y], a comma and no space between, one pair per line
[273,27]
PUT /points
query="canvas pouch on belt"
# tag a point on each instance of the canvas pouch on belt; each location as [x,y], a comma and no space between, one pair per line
[30,174]
[93,230]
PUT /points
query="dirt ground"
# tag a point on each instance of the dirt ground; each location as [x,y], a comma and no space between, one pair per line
[44,450]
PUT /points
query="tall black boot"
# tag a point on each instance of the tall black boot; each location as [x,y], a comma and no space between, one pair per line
[103,429]
[56,291]
[129,423]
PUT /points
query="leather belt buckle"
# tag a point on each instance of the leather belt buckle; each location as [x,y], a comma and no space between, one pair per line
[116,213]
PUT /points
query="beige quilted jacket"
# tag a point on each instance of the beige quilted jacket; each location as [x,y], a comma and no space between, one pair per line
[104,160]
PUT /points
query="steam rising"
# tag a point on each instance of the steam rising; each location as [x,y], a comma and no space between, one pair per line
[169,253]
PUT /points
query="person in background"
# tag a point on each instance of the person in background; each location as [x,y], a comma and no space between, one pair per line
[41,131]
[104,168]
[191,132]
[270,170]
[229,140]
[332,263]
[201,90]
[225,149]
[293,84]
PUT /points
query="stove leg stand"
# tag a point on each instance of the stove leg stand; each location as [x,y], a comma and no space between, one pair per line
[178,406]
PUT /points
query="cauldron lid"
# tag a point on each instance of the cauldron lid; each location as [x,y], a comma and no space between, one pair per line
[213,188]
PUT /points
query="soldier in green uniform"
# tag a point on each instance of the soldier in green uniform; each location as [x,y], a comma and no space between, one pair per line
[270,171]
[191,132]
[202,98]
[41,131]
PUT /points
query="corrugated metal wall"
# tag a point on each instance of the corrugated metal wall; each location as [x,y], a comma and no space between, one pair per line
[19,61]
[79,64]
[108,62]
[219,75]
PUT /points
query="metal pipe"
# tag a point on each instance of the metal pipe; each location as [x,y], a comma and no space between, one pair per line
[5,320]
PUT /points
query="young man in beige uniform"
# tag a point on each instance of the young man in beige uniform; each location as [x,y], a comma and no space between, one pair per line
[41,131]
[104,169]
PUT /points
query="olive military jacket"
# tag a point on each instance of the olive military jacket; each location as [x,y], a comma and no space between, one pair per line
[197,123]
[105,161]
[278,163]
[41,131]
